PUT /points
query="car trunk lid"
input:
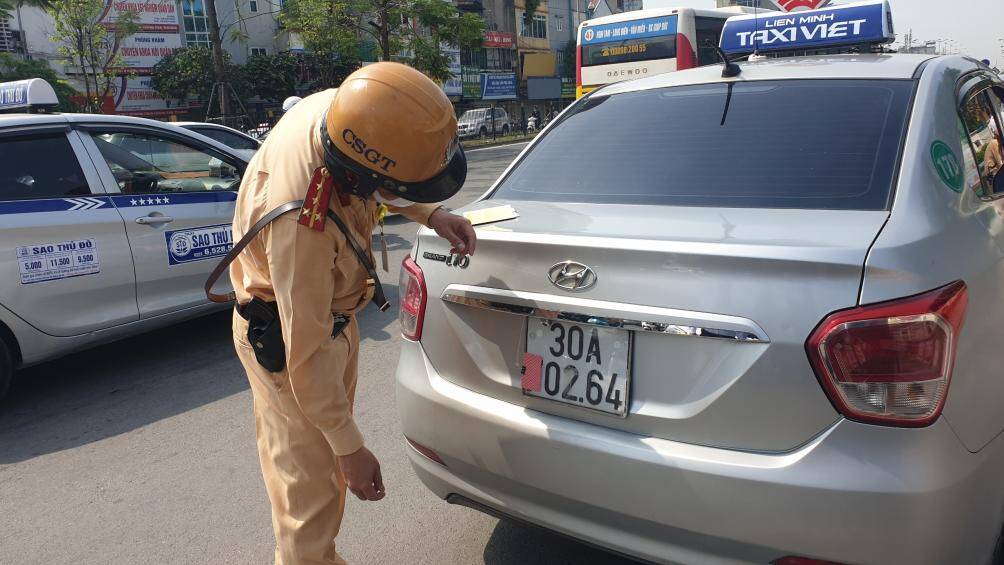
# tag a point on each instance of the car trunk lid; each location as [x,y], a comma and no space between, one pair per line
[730,296]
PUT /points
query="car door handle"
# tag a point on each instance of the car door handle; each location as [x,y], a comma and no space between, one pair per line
[153,220]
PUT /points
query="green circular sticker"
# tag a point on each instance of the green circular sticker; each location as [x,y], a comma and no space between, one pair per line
[947,165]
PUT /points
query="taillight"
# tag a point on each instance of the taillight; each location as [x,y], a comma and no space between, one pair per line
[891,363]
[413,296]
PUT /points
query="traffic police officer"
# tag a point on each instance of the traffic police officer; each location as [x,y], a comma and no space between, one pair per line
[387,135]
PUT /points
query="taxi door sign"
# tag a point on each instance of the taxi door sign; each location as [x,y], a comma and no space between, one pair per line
[43,262]
[185,246]
[848,24]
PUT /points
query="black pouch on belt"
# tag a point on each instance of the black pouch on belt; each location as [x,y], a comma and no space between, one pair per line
[265,333]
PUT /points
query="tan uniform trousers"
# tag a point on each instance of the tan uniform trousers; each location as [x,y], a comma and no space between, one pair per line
[302,477]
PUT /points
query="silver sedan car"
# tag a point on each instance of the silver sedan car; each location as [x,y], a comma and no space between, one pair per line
[748,320]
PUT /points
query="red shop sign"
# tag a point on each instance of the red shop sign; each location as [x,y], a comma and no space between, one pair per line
[499,39]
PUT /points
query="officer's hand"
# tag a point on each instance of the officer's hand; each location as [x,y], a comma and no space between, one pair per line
[455,229]
[362,474]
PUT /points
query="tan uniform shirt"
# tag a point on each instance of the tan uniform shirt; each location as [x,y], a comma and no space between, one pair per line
[309,273]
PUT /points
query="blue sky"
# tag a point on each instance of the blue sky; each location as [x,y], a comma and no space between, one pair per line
[976,25]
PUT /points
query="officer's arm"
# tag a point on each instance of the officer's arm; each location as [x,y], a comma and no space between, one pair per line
[301,262]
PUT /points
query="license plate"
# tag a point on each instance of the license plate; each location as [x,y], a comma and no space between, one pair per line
[578,364]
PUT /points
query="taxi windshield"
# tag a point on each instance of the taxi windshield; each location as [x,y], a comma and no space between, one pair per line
[814,144]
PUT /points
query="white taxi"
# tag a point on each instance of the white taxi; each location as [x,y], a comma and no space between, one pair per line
[109,225]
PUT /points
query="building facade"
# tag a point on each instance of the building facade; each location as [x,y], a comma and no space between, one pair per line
[247,27]
[515,50]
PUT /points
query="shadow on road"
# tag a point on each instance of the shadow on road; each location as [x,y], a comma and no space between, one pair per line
[123,386]
[119,387]
[514,543]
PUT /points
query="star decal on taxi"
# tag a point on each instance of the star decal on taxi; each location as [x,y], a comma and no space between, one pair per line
[149,201]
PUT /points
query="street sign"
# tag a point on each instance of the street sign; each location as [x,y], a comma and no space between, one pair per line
[849,24]
[798,5]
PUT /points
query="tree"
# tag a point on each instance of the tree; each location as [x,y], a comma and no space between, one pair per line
[219,58]
[568,59]
[91,45]
[272,77]
[325,71]
[447,26]
[418,27]
[189,73]
[13,68]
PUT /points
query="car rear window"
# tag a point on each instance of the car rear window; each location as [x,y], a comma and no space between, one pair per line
[814,144]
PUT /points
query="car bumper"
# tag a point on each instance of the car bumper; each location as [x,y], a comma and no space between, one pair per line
[855,493]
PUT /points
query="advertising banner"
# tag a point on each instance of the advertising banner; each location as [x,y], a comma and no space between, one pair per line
[152,15]
[499,39]
[140,52]
[498,86]
[135,96]
[543,88]
[567,87]
[453,86]
[624,31]
[471,82]
[158,36]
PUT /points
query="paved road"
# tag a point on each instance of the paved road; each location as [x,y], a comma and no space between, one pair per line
[143,451]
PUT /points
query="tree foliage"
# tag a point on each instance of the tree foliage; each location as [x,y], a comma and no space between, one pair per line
[188,73]
[14,68]
[319,72]
[92,46]
[271,77]
[568,59]
[410,31]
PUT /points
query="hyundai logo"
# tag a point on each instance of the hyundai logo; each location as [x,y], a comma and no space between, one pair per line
[571,275]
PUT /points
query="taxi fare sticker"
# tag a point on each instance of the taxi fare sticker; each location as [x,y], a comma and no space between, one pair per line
[53,261]
[185,246]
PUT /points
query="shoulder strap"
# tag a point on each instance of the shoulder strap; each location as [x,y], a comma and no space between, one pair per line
[378,295]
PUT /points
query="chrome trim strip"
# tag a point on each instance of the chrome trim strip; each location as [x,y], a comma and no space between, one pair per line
[599,313]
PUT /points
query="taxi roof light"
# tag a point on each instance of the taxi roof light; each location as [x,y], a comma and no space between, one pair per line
[31,95]
[844,27]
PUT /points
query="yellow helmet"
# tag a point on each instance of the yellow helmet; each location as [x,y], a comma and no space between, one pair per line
[391,127]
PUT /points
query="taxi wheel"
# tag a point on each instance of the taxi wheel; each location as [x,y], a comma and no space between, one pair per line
[6,368]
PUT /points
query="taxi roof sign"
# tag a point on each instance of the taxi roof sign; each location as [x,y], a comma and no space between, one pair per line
[27,95]
[836,26]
